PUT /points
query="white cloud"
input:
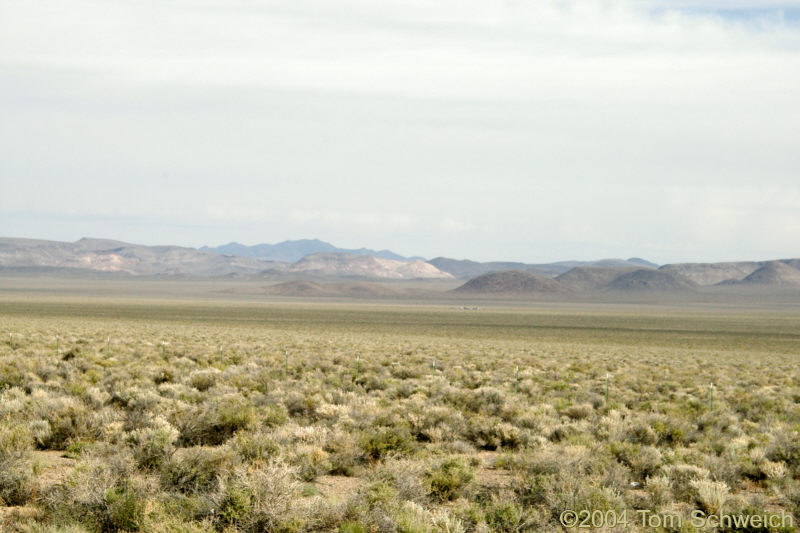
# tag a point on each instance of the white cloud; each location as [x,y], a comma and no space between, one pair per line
[609,126]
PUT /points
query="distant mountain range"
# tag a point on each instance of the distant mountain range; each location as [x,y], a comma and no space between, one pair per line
[465,269]
[102,255]
[115,256]
[293,251]
[564,277]
[675,279]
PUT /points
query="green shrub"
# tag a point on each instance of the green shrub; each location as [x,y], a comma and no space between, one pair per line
[75,449]
[124,509]
[234,506]
[352,527]
[379,494]
[507,517]
[447,480]
[669,431]
[384,441]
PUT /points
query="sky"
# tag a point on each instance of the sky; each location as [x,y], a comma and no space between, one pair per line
[527,130]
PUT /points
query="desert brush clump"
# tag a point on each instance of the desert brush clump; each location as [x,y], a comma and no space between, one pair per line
[448,479]
[195,421]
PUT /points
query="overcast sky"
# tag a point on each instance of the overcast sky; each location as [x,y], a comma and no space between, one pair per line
[530,130]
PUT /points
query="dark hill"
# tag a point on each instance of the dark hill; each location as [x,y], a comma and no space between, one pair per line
[646,279]
[310,289]
[591,278]
[511,282]
[466,269]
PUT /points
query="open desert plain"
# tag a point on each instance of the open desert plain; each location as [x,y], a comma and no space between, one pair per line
[160,406]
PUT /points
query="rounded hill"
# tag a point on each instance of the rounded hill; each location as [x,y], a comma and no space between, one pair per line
[774,274]
[646,279]
[511,282]
[591,278]
[310,289]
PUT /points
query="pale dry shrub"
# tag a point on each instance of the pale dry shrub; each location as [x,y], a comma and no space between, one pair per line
[681,477]
[273,488]
[711,495]
[646,461]
[153,446]
[12,402]
[16,442]
[203,380]
[96,397]
[757,455]
[658,487]
[66,416]
[253,446]
[332,413]
[137,398]
[434,423]
[103,492]
[40,431]
[444,522]
[17,482]
[104,423]
[197,469]
[773,470]
[216,420]
[723,468]
[490,433]
[579,411]
[413,518]
[311,461]
[344,452]
[302,404]
[406,476]
[180,391]
[617,476]
[554,459]
[642,433]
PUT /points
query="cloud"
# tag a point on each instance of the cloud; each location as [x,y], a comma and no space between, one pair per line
[599,126]
[474,49]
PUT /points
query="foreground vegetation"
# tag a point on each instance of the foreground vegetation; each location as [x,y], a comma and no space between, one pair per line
[231,417]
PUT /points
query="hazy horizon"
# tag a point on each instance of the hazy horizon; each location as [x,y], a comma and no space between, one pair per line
[494,130]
